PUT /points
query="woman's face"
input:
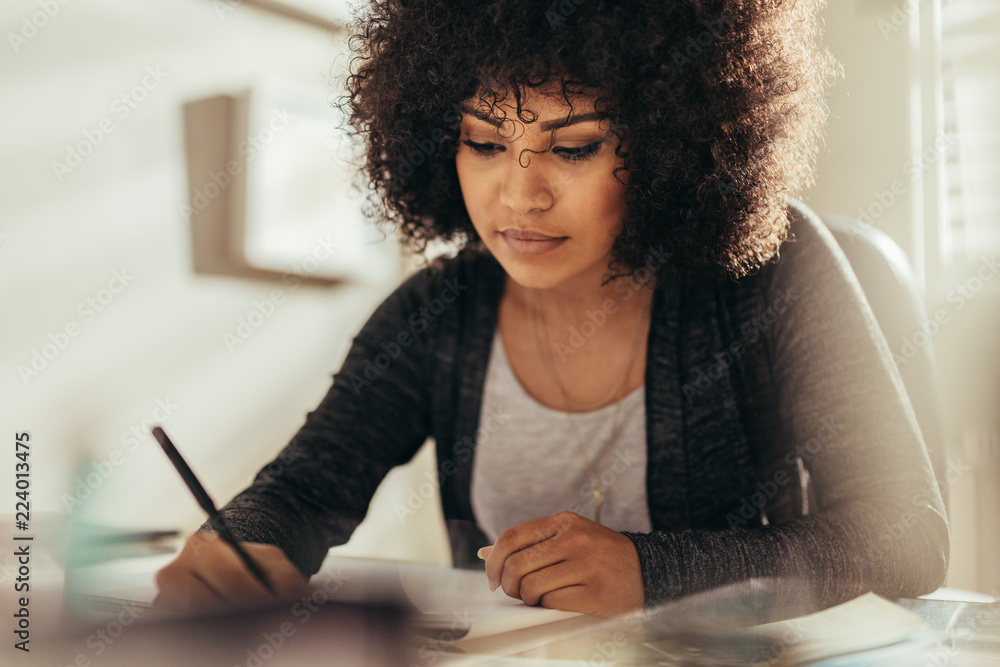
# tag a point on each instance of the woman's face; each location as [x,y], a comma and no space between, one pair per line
[549,218]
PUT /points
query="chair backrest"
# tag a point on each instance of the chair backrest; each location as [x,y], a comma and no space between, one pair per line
[887,280]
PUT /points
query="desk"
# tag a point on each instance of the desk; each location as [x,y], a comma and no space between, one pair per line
[969,635]
[966,634]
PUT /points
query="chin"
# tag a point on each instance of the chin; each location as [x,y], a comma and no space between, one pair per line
[538,277]
[542,271]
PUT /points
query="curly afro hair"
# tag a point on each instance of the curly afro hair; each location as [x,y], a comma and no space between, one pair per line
[720,103]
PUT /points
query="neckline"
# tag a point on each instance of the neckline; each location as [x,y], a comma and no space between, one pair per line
[501,350]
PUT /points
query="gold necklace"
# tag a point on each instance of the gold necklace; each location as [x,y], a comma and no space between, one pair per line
[595,482]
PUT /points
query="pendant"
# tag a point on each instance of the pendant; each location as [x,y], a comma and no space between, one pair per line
[598,501]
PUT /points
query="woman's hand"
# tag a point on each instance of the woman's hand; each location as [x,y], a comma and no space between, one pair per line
[567,562]
[208,576]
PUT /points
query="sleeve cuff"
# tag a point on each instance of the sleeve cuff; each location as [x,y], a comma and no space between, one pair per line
[661,572]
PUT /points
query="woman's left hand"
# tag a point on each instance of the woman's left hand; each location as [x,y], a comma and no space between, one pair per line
[565,561]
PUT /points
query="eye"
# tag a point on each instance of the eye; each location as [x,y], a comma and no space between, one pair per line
[483,150]
[580,152]
[568,153]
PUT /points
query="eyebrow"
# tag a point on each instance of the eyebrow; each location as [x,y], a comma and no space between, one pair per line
[547,126]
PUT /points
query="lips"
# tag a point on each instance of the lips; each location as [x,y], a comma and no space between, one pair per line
[527,235]
[529,243]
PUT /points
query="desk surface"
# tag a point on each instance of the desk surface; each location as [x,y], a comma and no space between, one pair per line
[963,634]
[968,633]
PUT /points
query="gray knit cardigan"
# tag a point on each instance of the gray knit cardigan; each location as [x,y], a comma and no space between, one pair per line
[780,439]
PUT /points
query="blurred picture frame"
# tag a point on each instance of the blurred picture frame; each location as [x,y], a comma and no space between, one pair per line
[269,176]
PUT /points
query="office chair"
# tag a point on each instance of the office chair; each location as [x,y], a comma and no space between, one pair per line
[884,272]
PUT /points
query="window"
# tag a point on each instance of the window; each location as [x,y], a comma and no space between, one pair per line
[970,80]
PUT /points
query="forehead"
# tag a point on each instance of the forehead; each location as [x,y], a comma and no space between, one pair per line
[537,105]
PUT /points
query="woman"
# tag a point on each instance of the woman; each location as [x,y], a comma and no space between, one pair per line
[633,395]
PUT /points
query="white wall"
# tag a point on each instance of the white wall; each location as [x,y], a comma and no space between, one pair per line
[161,337]
[868,134]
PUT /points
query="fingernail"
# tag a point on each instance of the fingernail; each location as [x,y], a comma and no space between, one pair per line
[480,553]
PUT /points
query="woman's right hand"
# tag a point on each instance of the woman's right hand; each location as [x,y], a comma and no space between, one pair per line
[207,575]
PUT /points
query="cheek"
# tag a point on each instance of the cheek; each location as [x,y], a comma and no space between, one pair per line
[612,194]
[465,181]
[475,184]
[600,200]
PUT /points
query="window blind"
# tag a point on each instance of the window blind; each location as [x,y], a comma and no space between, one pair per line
[970,70]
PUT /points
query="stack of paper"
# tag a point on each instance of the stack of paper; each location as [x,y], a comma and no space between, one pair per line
[861,624]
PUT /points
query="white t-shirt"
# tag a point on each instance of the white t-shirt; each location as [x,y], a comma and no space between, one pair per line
[531,467]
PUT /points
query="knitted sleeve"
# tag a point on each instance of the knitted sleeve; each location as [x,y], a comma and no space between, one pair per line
[877,522]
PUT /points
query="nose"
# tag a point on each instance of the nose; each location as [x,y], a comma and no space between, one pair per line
[525,189]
